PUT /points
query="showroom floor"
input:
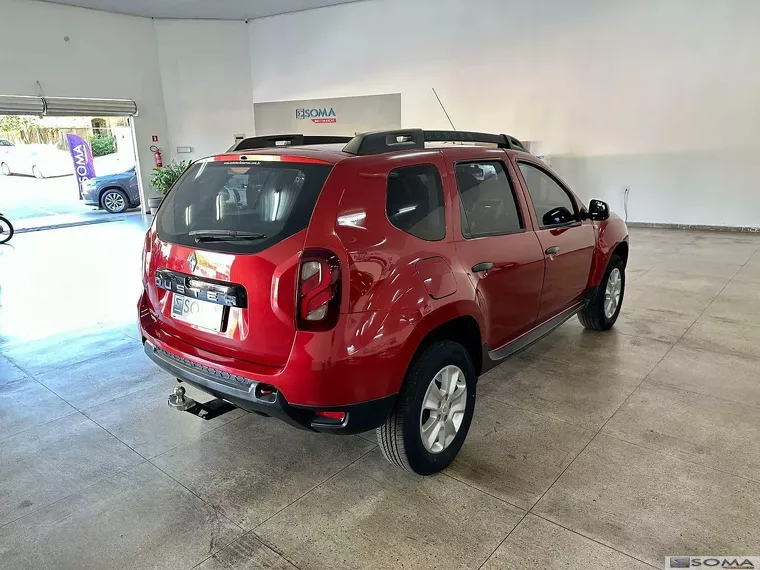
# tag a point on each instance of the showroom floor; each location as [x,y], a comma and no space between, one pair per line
[590,450]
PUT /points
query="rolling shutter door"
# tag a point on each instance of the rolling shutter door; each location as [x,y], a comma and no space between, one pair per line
[17,105]
[66,106]
[71,107]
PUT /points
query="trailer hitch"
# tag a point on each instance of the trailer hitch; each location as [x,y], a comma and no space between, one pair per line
[204,410]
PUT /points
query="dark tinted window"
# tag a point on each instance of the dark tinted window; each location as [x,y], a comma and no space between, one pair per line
[553,205]
[5,143]
[414,201]
[272,198]
[487,200]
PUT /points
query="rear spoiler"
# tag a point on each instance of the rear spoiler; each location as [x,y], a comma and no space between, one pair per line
[274,141]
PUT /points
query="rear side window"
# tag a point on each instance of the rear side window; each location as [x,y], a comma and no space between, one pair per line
[273,199]
[487,200]
[553,205]
[414,201]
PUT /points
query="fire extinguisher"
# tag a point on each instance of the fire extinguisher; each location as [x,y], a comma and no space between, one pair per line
[157,156]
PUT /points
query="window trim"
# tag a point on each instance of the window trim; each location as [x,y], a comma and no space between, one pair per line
[576,211]
[443,200]
[520,216]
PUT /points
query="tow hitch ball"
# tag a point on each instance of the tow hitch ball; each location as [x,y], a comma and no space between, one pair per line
[204,410]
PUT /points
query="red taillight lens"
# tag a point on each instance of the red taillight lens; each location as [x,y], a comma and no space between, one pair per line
[318,290]
[332,415]
[145,258]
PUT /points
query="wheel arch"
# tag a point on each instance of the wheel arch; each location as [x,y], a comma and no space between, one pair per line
[621,250]
[463,329]
[105,189]
[612,238]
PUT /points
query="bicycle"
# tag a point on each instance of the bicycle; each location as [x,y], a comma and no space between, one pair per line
[6,229]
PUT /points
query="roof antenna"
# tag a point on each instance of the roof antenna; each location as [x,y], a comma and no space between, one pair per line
[444,108]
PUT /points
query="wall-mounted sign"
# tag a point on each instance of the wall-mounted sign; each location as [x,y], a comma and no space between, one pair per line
[322,115]
[154,138]
[336,116]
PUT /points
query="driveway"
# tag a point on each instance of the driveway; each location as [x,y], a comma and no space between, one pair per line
[27,198]
[23,197]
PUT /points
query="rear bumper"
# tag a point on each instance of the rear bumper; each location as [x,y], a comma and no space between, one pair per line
[262,398]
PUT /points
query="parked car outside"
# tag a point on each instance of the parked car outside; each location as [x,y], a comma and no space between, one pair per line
[38,160]
[368,285]
[115,193]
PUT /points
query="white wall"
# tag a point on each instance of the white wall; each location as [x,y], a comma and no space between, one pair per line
[107,55]
[206,77]
[656,95]
[660,96]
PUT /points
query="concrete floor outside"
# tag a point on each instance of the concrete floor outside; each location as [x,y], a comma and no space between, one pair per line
[590,450]
[31,203]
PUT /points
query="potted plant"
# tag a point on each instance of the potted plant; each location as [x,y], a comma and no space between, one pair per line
[162,180]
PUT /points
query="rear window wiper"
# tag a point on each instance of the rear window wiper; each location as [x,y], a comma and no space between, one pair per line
[224,235]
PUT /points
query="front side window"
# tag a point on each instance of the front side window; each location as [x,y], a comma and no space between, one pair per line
[273,200]
[414,201]
[553,205]
[487,201]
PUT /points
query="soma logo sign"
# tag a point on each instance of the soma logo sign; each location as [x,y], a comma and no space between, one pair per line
[323,115]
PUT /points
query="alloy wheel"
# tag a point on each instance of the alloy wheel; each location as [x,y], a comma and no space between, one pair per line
[114,202]
[612,293]
[443,409]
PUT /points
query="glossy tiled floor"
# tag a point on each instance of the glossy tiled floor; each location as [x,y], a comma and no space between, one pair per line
[590,450]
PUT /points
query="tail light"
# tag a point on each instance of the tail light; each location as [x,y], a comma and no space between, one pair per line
[318,290]
[145,258]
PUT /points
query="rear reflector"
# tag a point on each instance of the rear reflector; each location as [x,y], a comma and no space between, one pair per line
[339,416]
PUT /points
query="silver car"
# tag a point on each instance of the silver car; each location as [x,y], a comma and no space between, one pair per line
[39,160]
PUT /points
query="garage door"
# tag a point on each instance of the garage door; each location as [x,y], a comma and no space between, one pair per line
[66,106]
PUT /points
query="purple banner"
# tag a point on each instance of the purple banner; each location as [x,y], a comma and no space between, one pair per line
[81,154]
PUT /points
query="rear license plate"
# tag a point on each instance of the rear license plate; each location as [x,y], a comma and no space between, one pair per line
[199,313]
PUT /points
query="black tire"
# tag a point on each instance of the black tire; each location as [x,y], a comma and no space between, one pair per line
[109,200]
[6,230]
[593,315]
[399,438]
[5,169]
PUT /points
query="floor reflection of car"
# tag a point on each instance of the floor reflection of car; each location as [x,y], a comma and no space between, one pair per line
[115,193]
[39,160]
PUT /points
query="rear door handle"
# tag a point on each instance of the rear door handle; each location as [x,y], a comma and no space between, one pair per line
[483,266]
[552,251]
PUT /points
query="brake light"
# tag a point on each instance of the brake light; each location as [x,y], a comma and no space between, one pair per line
[145,258]
[318,290]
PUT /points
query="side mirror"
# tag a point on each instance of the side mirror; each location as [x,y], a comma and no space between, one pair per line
[557,216]
[598,210]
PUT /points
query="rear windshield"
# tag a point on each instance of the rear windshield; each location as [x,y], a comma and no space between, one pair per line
[275,199]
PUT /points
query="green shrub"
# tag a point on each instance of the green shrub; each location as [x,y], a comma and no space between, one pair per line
[164,176]
[102,145]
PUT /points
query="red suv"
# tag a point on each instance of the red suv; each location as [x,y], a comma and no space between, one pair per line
[349,284]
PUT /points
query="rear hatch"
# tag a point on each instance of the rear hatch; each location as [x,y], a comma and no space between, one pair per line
[224,254]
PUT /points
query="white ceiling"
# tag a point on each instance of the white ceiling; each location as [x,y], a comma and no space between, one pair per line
[206,9]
